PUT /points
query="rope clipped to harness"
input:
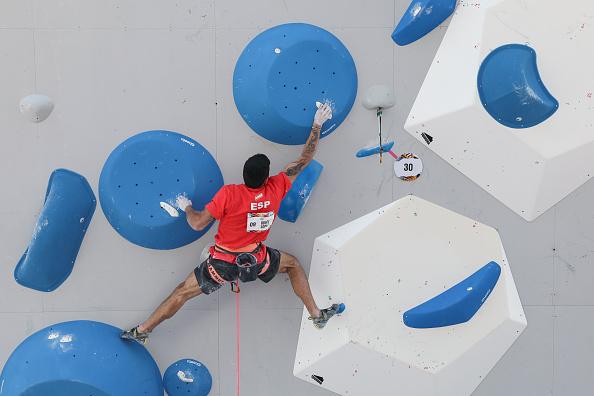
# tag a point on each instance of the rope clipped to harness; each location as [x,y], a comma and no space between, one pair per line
[248,267]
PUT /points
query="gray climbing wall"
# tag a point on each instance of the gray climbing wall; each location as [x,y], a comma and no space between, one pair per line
[120,67]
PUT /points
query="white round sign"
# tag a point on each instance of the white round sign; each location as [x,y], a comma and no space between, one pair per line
[408,167]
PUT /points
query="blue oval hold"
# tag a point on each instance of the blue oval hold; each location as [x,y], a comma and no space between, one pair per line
[187,377]
[511,90]
[300,192]
[80,358]
[283,72]
[60,229]
[458,304]
[150,168]
[421,17]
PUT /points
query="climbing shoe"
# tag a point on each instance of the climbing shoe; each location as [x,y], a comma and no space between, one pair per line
[326,314]
[135,334]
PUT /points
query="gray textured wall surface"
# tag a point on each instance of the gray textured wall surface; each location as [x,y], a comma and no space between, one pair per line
[115,68]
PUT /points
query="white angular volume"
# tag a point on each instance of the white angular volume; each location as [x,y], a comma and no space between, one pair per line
[385,263]
[529,170]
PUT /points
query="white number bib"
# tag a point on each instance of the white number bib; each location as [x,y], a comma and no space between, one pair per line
[259,222]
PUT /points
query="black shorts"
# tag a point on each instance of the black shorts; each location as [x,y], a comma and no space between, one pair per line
[230,273]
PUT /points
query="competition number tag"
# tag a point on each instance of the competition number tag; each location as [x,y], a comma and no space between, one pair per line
[259,222]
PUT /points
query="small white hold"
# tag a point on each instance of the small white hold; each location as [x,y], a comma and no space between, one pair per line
[169,209]
[36,107]
[82,220]
[379,97]
[53,335]
[182,377]
[277,50]
[469,288]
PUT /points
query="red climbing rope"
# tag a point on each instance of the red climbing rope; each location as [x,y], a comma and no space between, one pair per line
[238,333]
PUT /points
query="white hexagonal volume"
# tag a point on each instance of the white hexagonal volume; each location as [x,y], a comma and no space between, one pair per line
[384,264]
[529,169]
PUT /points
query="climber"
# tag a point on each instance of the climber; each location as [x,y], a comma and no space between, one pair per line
[245,213]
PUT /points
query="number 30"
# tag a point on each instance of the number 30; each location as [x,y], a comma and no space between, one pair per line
[408,167]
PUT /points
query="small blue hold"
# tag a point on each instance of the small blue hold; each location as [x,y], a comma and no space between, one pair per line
[458,304]
[511,90]
[421,17]
[187,377]
[341,308]
[368,151]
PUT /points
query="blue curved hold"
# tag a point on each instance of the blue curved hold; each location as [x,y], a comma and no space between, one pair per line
[341,308]
[366,152]
[511,90]
[300,192]
[283,72]
[80,358]
[59,232]
[458,304]
[421,17]
[150,168]
[195,380]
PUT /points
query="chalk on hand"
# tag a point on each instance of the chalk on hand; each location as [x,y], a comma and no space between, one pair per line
[169,209]
[319,104]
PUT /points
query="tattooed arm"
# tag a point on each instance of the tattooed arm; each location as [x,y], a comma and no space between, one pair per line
[198,219]
[293,169]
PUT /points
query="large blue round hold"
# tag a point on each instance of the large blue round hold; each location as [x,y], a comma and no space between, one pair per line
[150,168]
[80,358]
[283,72]
[187,377]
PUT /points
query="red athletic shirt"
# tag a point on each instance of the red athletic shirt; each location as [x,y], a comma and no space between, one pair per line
[246,214]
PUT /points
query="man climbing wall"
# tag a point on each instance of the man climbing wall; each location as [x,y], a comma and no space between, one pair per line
[245,213]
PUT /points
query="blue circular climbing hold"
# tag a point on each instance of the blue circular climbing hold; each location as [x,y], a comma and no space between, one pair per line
[147,170]
[80,358]
[283,72]
[341,308]
[187,377]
